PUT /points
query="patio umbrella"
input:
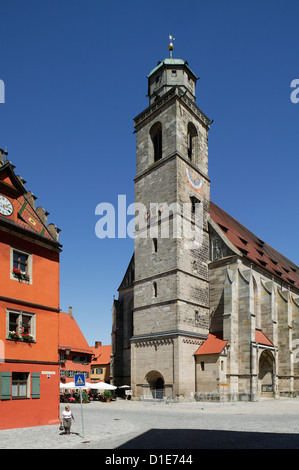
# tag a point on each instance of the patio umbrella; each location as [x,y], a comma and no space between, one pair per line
[67,385]
[124,386]
[102,386]
[71,385]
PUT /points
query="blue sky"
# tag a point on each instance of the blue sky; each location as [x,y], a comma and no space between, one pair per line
[75,77]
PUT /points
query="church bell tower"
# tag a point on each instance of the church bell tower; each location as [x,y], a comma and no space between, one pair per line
[172,197]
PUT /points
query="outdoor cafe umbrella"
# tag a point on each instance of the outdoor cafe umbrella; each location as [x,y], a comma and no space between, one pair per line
[124,386]
[72,386]
[102,386]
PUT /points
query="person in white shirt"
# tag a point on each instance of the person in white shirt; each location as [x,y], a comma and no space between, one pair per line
[66,419]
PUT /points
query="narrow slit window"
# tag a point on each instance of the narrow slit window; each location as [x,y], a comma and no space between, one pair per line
[156,136]
[191,136]
[194,202]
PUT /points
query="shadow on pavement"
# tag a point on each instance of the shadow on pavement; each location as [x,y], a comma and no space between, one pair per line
[209,439]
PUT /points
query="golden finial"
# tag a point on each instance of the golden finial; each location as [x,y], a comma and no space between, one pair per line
[170,47]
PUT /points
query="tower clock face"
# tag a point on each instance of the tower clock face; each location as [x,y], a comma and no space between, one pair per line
[194,180]
[5,206]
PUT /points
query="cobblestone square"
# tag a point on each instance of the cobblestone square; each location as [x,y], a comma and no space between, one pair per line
[121,425]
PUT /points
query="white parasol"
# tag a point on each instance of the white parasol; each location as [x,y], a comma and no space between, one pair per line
[71,385]
[67,385]
[102,386]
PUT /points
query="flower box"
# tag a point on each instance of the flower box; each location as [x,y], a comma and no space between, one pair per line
[14,335]
[27,337]
[18,274]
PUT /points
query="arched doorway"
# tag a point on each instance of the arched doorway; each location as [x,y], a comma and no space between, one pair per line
[156,382]
[266,373]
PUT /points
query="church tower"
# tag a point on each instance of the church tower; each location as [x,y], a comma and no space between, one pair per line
[171,247]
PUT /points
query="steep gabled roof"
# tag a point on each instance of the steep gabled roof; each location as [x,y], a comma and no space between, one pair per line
[28,219]
[70,335]
[24,215]
[212,345]
[101,354]
[10,181]
[261,338]
[255,249]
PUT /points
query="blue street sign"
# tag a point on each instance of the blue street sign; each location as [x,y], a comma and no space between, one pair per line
[79,380]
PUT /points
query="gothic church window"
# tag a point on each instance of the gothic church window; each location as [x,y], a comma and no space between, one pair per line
[156,136]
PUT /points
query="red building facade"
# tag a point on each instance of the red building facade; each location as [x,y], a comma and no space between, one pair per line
[29,307]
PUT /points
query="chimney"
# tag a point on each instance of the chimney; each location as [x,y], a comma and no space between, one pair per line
[71,312]
[97,344]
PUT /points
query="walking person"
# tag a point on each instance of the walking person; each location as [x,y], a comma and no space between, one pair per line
[66,419]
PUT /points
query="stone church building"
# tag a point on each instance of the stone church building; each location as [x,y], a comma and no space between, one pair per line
[222,313]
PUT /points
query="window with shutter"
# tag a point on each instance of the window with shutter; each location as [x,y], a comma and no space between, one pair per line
[19,384]
[35,385]
[5,385]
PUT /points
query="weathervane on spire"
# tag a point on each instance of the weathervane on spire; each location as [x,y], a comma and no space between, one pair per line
[170,47]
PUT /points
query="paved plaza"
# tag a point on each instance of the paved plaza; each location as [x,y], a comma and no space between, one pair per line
[267,424]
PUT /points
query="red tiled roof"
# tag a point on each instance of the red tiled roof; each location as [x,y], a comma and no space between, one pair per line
[212,345]
[254,248]
[28,218]
[101,354]
[261,338]
[70,335]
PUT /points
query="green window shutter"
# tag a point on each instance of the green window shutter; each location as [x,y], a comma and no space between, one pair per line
[5,385]
[35,390]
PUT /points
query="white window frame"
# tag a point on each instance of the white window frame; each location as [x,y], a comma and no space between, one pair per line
[20,313]
[29,264]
